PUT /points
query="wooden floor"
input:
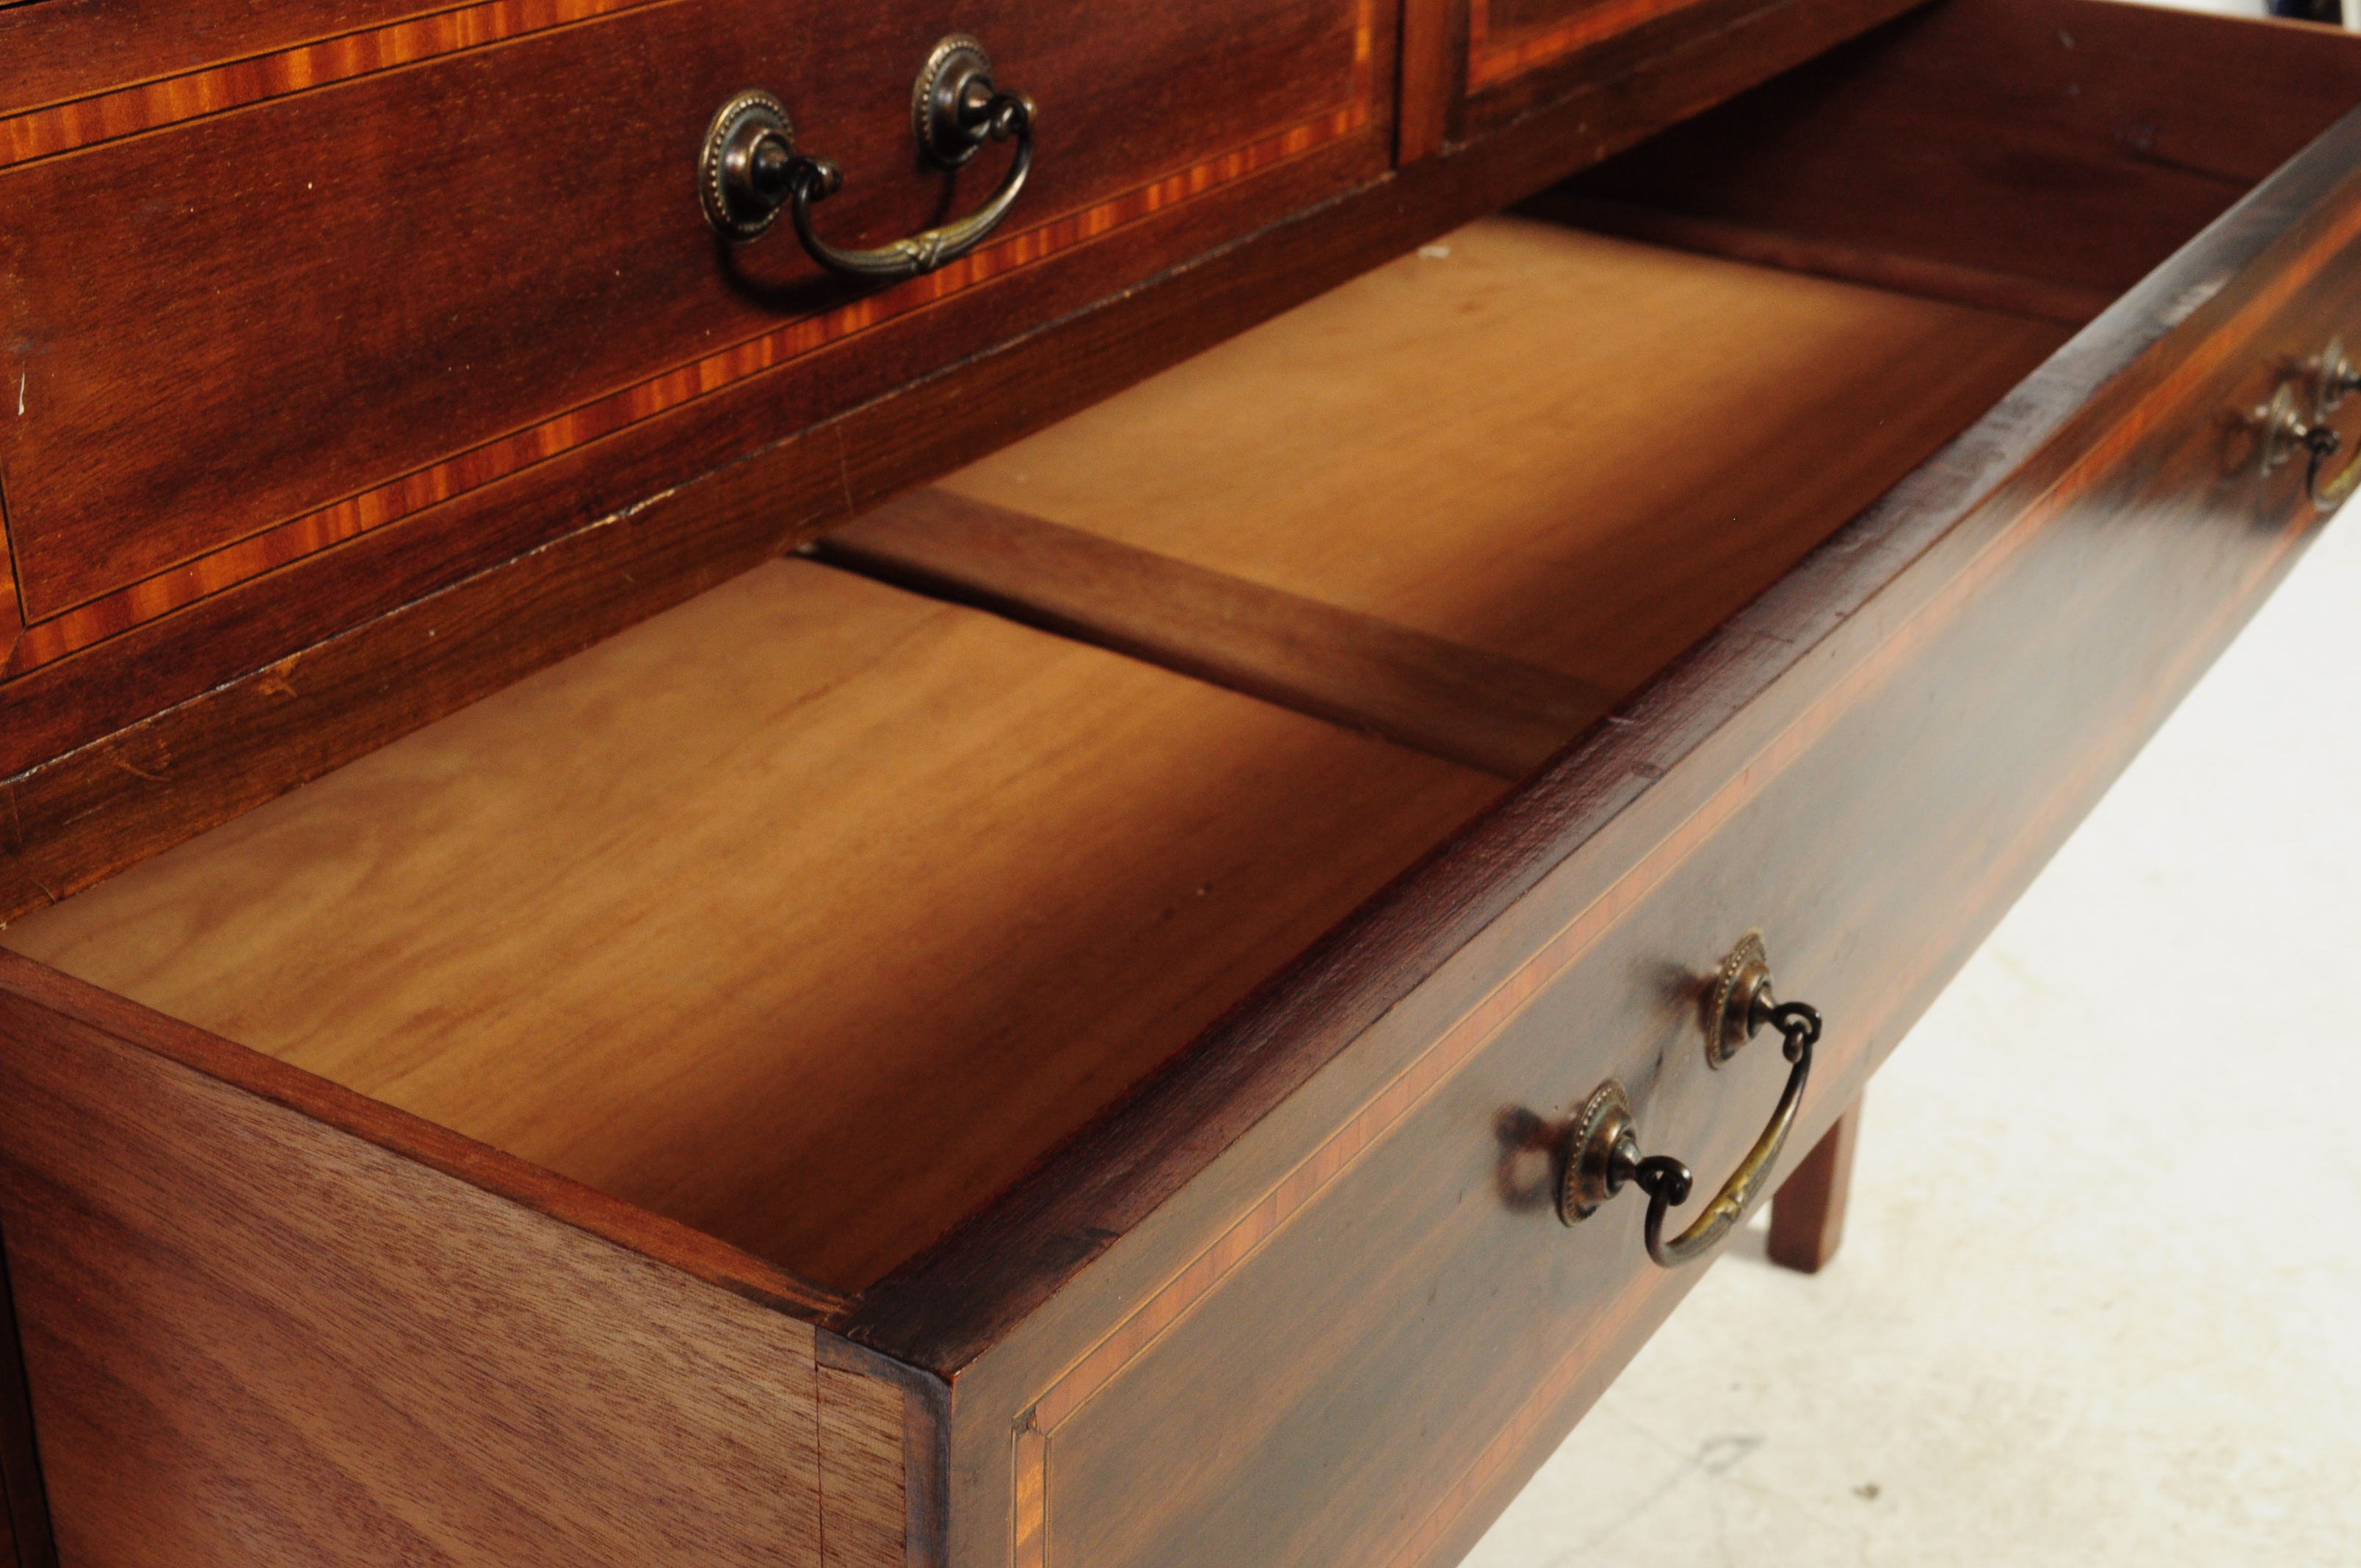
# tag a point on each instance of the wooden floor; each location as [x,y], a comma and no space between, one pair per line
[811,912]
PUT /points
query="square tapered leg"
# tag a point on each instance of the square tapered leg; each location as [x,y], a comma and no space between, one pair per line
[1807,1213]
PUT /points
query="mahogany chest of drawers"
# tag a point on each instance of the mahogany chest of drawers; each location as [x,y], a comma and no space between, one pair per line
[855,786]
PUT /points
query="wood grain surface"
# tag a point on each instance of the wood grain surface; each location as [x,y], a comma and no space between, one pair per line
[1807,1216]
[106,81]
[1868,759]
[254,1339]
[332,381]
[1520,59]
[1929,278]
[1868,762]
[925,1427]
[25,1537]
[214,978]
[2075,145]
[436,1149]
[1556,447]
[1497,715]
[55,50]
[863,1481]
[1508,39]
[1433,44]
[199,707]
[809,914]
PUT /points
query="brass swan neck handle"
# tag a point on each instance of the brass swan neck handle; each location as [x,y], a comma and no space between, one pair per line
[750,168]
[1602,1154]
[1667,1181]
[810,179]
[2290,423]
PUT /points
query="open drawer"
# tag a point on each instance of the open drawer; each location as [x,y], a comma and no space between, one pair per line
[1049,1029]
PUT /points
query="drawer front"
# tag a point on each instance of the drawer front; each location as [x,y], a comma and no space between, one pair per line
[1353,1334]
[1473,67]
[317,294]
[1516,47]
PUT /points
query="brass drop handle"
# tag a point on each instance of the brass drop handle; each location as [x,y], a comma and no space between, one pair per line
[2335,376]
[2287,427]
[1602,1156]
[749,169]
[2287,430]
[2328,497]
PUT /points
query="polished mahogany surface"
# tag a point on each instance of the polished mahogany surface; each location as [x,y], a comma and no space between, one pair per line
[1298,1293]
[387,290]
[138,716]
[276,1325]
[2067,152]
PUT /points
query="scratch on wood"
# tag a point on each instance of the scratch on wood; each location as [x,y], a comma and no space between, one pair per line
[117,758]
[634,510]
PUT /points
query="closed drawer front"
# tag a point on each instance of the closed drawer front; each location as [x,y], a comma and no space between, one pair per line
[257,308]
[1472,67]
[1520,50]
[1350,1338]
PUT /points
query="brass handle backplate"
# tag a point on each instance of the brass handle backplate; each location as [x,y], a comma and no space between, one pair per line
[2289,426]
[749,169]
[1601,1154]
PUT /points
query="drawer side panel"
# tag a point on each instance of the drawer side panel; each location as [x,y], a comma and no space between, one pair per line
[256,1340]
[864,1509]
[2076,145]
[24,1506]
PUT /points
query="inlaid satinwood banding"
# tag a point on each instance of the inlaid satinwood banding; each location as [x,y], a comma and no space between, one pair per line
[213,88]
[1493,59]
[298,537]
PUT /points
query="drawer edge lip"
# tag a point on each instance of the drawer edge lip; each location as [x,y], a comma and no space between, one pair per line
[479,1166]
[28,1536]
[950,1305]
[926,1442]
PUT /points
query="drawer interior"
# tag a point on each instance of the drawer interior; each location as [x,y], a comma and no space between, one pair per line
[797,914]
[1549,444]
[813,912]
